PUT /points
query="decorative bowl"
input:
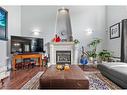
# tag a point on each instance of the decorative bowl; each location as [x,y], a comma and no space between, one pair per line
[66,67]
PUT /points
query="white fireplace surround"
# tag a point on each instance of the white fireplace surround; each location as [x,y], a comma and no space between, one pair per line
[63,46]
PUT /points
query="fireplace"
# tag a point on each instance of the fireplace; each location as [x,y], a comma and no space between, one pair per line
[63,57]
[62,53]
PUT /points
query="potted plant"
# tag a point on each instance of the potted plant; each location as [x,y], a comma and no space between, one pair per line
[105,55]
[93,45]
[91,54]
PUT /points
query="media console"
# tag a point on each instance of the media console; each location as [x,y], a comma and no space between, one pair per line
[23,56]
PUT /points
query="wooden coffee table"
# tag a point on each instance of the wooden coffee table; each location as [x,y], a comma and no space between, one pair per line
[71,79]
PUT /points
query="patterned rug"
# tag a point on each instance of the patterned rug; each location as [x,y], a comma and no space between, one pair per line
[34,82]
[98,82]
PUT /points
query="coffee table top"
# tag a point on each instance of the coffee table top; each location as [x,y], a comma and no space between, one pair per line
[75,73]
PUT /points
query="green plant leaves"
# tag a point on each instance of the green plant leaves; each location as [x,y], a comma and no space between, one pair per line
[93,45]
[76,41]
[105,55]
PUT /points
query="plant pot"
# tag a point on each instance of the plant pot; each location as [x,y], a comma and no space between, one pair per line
[104,61]
[91,59]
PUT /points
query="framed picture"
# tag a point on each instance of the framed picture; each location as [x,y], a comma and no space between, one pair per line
[3,24]
[115,31]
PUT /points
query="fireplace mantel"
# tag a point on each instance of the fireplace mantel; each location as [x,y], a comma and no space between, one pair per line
[62,43]
[63,46]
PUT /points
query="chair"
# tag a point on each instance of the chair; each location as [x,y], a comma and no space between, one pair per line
[32,63]
[45,61]
[18,65]
[26,63]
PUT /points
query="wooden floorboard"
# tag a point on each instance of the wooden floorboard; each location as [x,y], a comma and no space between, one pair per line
[18,78]
[87,68]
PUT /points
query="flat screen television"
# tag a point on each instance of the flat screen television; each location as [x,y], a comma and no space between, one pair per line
[21,44]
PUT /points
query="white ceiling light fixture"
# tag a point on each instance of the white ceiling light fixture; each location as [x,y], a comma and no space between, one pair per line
[36,31]
[63,10]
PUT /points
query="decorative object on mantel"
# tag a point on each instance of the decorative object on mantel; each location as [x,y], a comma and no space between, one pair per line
[3,23]
[56,39]
[63,25]
[76,41]
[115,31]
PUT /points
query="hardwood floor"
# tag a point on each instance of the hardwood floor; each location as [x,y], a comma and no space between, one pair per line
[18,78]
[88,68]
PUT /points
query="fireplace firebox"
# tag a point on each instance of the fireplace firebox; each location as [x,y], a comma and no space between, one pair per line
[63,57]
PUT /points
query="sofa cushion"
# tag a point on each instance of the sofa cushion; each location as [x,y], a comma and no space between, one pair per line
[115,69]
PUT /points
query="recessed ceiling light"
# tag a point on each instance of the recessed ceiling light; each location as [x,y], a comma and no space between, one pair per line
[63,10]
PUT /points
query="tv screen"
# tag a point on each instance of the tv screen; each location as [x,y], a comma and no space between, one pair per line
[3,24]
[26,44]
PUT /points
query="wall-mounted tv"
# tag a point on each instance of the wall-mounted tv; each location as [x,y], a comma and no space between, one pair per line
[3,23]
[21,44]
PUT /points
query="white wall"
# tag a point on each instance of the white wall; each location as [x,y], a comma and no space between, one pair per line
[14,28]
[89,17]
[114,15]
[3,52]
[82,17]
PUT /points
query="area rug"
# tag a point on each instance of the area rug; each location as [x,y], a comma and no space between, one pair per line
[98,82]
[34,82]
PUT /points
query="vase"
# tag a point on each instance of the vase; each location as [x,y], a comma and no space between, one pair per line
[91,59]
